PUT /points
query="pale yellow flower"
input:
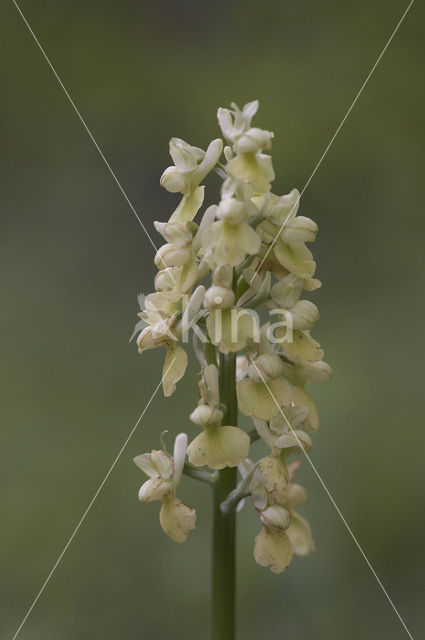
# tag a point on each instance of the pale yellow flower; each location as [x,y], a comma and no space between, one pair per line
[167,332]
[176,518]
[232,329]
[260,400]
[217,446]
[284,531]
[273,549]
[191,165]
[236,127]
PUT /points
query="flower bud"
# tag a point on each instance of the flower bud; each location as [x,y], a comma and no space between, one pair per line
[165,279]
[266,367]
[179,234]
[173,181]
[157,334]
[305,314]
[223,276]
[227,153]
[206,414]
[254,140]
[287,292]
[219,298]
[170,255]
[275,517]
[299,229]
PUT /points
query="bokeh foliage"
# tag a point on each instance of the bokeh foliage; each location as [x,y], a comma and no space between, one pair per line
[73,259]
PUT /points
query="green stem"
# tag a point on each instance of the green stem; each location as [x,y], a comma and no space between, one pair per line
[195,472]
[224,525]
[210,353]
[254,435]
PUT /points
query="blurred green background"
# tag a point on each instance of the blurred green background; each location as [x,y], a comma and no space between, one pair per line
[73,258]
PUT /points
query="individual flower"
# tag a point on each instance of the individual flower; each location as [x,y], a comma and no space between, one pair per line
[191,165]
[230,239]
[284,531]
[236,127]
[217,446]
[257,399]
[270,483]
[180,268]
[283,434]
[248,165]
[164,471]
[273,549]
[232,329]
[220,295]
[167,332]
[256,169]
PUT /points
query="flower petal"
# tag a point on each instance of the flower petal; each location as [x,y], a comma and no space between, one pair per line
[145,464]
[179,455]
[174,367]
[154,489]
[273,549]
[258,400]
[300,535]
[188,207]
[301,398]
[302,347]
[300,373]
[294,442]
[256,169]
[219,447]
[275,475]
[296,258]
[209,161]
[224,243]
[177,519]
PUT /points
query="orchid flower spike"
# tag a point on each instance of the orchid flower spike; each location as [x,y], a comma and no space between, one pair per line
[236,275]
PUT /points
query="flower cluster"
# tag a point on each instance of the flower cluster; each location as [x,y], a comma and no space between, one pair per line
[245,253]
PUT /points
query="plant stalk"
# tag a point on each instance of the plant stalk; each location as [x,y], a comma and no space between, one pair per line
[224,524]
